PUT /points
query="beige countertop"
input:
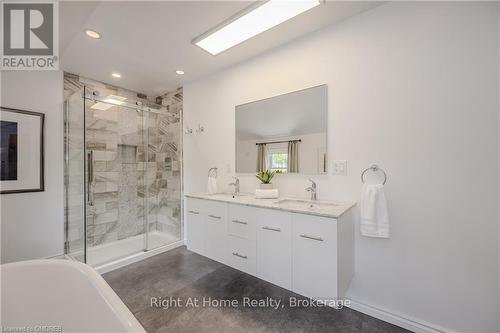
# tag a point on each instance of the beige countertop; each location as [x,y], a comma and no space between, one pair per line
[330,209]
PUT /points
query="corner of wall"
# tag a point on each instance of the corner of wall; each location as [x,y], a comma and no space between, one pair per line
[498,159]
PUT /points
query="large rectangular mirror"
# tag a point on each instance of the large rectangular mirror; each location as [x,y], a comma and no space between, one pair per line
[286,133]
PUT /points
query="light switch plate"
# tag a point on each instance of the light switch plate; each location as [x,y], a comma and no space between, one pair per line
[339,168]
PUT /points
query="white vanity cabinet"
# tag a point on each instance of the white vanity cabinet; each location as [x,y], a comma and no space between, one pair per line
[314,242]
[195,225]
[241,250]
[308,254]
[274,247]
[215,215]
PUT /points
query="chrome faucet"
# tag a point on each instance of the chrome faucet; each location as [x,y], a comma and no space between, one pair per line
[236,185]
[312,189]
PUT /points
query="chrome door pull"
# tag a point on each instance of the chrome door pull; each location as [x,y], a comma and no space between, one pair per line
[312,237]
[271,229]
[214,216]
[239,255]
[193,212]
[90,178]
[240,222]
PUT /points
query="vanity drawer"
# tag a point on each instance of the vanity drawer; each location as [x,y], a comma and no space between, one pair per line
[241,254]
[314,246]
[241,221]
[215,230]
[274,247]
[217,211]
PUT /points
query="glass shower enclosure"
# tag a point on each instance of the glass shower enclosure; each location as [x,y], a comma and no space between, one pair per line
[122,173]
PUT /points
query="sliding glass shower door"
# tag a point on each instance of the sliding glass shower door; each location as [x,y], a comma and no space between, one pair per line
[163,179]
[74,174]
[122,175]
[115,163]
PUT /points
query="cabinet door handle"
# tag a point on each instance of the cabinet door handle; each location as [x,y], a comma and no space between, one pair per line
[193,212]
[312,237]
[240,222]
[214,216]
[271,229]
[239,255]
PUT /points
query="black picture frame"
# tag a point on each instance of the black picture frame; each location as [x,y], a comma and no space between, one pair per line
[41,188]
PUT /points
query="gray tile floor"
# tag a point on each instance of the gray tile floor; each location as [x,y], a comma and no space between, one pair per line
[183,274]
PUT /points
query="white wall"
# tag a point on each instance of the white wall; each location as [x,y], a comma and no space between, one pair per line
[414,88]
[32,223]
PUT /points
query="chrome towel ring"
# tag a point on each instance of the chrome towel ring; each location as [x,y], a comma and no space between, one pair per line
[373,168]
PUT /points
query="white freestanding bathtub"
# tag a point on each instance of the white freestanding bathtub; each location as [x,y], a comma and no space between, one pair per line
[60,296]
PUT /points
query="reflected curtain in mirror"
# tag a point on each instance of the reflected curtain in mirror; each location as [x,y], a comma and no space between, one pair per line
[261,157]
[293,157]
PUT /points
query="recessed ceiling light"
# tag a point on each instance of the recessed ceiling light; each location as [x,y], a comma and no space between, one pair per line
[92,34]
[179,72]
[251,22]
[117,75]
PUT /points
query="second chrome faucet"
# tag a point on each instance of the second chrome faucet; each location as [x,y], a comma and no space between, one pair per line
[312,189]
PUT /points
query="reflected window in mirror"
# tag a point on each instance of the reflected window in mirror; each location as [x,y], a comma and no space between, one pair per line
[277,158]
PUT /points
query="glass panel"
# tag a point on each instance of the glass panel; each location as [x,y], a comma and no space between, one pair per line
[122,174]
[115,143]
[74,173]
[163,176]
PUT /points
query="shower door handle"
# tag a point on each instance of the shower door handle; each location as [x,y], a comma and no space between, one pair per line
[90,178]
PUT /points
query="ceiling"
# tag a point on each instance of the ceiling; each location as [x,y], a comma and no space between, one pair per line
[297,113]
[146,42]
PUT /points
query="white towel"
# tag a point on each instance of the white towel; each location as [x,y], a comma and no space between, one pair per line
[212,185]
[266,194]
[374,214]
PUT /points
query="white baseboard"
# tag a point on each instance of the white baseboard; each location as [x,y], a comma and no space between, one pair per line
[411,324]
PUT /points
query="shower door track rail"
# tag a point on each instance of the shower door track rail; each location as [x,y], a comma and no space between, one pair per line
[137,106]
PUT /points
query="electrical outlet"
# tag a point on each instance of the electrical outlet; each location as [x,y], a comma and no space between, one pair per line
[339,167]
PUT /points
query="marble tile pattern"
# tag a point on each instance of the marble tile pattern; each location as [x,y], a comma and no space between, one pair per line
[73,169]
[137,163]
[319,208]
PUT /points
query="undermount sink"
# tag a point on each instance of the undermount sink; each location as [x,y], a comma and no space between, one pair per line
[229,195]
[305,203]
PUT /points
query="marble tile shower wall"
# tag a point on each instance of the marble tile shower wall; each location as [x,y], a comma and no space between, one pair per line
[74,171]
[167,147]
[134,182]
[137,164]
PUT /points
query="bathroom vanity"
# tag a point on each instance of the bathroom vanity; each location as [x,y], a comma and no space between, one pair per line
[303,246]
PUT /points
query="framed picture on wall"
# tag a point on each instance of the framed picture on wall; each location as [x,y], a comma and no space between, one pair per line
[21,151]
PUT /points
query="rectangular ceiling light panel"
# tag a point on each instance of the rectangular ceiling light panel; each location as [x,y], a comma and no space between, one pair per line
[110,101]
[251,23]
